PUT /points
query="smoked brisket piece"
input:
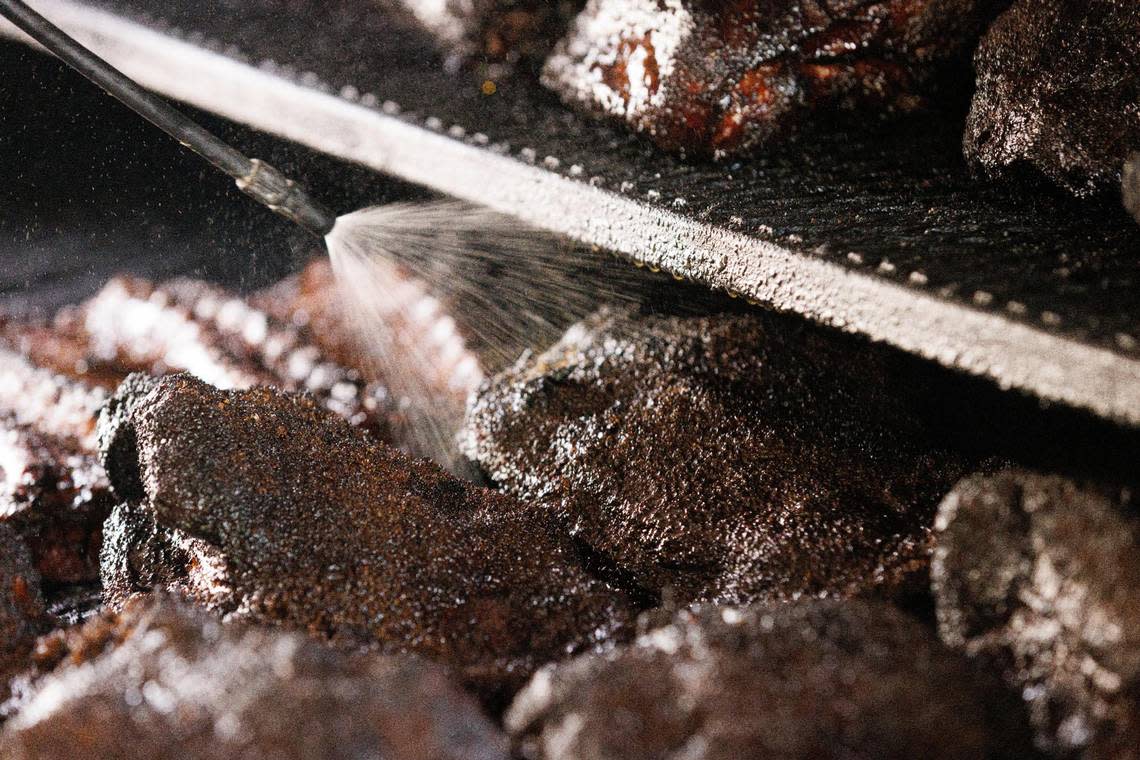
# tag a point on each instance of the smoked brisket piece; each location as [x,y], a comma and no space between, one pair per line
[1058,92]
[1038,578]
[725,458]
[164,679]
[808,679]
[704,77]
[266,506]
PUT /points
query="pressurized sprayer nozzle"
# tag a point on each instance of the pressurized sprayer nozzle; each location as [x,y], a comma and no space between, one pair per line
[274,190]
[257,178]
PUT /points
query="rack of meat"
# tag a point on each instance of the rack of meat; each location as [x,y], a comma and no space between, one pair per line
[829,447]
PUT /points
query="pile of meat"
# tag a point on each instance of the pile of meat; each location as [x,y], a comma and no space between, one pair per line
[716,535]
[1057,81]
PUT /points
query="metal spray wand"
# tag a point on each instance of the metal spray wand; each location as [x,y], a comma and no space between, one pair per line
[259,180]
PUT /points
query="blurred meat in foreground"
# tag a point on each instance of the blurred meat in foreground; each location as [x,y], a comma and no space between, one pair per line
[162,679]
[22,612]
[808,679]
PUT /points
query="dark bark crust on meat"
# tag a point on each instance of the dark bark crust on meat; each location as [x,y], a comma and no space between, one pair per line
[1058,93]
[1039,578]
[725,78]
[724,458]
[266,506]
[802,680]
